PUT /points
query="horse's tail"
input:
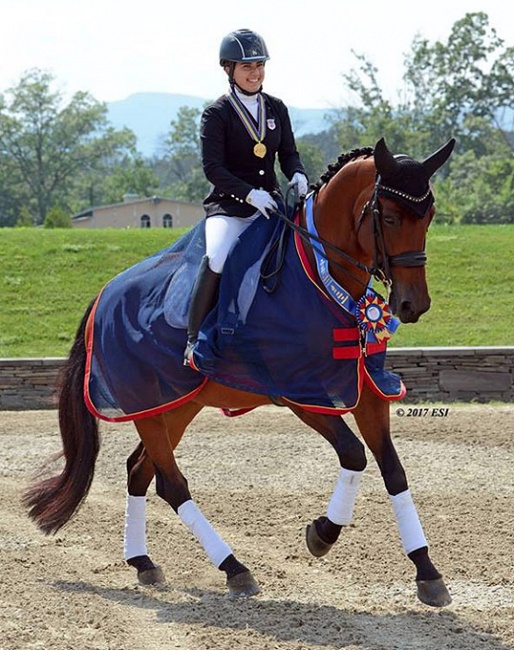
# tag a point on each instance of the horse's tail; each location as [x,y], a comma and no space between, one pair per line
[52,501]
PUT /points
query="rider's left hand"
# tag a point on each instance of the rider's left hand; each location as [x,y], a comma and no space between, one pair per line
[301,182]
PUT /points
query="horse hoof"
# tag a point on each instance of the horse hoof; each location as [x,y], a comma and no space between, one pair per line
[315,544]
[153,576]
[242,584]
[433,592]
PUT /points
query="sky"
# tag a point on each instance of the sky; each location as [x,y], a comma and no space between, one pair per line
[113,49]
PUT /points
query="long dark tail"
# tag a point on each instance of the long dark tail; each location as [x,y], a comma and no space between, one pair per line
[53,501]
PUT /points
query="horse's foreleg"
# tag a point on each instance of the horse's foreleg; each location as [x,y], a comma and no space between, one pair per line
[140,472]
[160,436]
[372,416]
[324,531]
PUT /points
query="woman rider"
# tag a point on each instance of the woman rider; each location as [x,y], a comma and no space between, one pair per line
[242,132]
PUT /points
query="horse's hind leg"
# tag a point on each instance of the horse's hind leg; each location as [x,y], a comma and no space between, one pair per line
[140,472]
[160,436]
[324,531]
[372,416]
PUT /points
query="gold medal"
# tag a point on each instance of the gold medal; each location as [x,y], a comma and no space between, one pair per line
[257,134]
[259,150]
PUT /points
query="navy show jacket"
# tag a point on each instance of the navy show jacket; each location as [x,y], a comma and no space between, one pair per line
[228,159]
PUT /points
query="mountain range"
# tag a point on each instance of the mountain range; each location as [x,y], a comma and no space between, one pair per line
[149,115]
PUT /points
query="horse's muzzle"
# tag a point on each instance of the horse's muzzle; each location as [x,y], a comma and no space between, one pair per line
[409,310]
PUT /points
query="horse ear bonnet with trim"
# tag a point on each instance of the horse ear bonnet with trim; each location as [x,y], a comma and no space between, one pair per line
[406,180]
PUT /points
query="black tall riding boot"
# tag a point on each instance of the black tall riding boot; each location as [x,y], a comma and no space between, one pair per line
[203,299]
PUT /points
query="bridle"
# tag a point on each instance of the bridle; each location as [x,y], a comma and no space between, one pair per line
[382,262]
[380,269]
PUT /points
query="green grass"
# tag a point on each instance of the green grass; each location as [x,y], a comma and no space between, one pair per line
[471,279]
[48,277]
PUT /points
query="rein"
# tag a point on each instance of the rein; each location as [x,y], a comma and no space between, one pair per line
[382,262]
[371,311]
[307,236]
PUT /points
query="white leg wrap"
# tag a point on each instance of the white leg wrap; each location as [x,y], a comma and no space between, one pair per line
[342,501]
[135,527]
[214,546]
[408,522]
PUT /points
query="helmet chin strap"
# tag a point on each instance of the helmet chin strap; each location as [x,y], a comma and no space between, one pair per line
[242,90]
[231,81]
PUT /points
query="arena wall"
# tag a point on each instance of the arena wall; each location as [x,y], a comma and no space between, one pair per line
[444,375]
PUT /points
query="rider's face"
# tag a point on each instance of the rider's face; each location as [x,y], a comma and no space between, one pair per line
[249,76]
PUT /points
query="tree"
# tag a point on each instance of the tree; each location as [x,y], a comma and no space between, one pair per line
[57,218]
[25,219]
[312,158]
[181,169]
[448,87]
[469,75]
[374,116]
[49,145]
[461,87]
[12,192]
[112,180]
[480,189]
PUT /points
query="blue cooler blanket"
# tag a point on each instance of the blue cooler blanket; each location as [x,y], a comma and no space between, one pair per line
[282,337]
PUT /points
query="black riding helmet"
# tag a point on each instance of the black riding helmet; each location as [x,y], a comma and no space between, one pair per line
[242,46]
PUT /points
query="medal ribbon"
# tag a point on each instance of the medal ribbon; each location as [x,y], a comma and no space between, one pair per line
[342,297]
[258,133]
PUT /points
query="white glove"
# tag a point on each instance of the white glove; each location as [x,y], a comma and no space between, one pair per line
[301,182]
[263,201]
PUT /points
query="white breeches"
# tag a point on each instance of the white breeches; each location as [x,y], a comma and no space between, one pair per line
[221,233]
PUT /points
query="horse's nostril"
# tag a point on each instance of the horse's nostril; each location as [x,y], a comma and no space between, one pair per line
[410,312]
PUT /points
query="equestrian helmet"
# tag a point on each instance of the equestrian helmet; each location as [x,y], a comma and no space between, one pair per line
[243,45]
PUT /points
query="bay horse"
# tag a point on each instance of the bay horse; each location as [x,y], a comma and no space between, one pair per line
[371,211]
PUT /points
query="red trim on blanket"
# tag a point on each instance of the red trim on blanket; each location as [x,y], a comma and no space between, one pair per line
[346,333]
[353,352]
[141,415]
[148,413]
[375,389]
[376,348]
[304,261]
[234,413]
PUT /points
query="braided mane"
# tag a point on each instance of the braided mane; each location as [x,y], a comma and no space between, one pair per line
[343,159]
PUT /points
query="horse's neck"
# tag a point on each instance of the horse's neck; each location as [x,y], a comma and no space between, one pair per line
[335,210]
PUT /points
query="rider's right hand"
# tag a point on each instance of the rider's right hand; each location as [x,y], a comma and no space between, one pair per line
[263,201]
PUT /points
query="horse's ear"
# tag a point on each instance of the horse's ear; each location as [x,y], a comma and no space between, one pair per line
[384,159]
[437,159]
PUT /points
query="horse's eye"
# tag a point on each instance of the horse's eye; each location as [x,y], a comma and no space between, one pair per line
[389,219]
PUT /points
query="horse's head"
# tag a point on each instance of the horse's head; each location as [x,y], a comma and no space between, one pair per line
[373,219]
[403,207]
[392,208]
